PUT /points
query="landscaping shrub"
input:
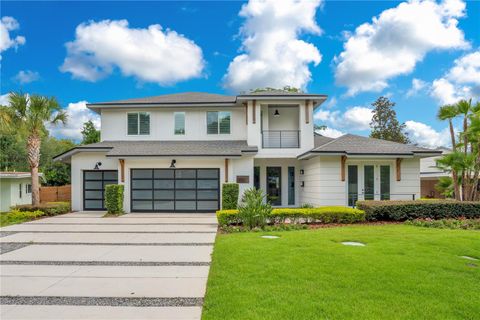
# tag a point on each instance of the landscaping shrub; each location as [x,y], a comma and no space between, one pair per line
[114,198]
[299,215]
[230,193]
[16,216]
[49,208]
[467,224]
[254,210]
[419,209]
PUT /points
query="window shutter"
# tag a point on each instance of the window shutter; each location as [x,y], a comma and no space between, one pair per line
[144,123]
[225,122]
[212,122]
[132,123]
[179,119]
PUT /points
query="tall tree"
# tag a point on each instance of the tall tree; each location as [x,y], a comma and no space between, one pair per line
[28,114]
[89,133]
[385,124]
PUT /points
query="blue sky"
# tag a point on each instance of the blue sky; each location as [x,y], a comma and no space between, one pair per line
[420,53]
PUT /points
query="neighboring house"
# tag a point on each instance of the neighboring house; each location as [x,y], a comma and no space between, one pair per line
[430,174]
[173,152]
[15,189]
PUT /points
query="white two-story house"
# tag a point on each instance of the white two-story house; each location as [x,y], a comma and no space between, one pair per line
[173,153]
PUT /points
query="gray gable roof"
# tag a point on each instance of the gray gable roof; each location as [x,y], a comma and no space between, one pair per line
[176,98]
[320,140]
[350,144]
[194,148]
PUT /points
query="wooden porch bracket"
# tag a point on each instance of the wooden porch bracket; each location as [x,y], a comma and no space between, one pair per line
[343,160]
[307,111]
[226,169]
[122,170]
[399,169]
[254,110]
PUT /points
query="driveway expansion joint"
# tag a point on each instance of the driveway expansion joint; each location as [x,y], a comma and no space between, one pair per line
[102,301]
[11,246]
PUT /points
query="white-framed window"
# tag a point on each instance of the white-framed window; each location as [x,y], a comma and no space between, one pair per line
[28,188]
[179,123]
[138,123]
[218,122]
[20,190]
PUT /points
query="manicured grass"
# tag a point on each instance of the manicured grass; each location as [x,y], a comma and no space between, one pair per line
[404,272]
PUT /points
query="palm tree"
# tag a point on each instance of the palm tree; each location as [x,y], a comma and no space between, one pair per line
[449,112]
[28,115]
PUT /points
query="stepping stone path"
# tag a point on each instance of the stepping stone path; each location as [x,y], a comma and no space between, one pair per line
[270,237]
[83,266]
[353,243]
[469,258]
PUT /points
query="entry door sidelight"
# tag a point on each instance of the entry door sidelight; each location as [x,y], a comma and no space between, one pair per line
[369,182]
[384,182]
[352,185]
[291,186]
[274,185]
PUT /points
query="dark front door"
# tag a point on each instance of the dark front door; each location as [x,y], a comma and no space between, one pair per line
[274,185]
[94,182]
[352,185]
[175,190]
[291,186]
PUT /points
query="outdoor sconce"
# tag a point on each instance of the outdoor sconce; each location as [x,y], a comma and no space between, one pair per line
[276,114]
[172,164]
[302,184]
[97,166]
[302,171]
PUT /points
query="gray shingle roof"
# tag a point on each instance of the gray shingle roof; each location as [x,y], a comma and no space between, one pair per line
[353,144]
[176,98]
[320,140]
[166,148]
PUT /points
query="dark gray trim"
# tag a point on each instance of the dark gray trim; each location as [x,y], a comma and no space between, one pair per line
[173,155]
[83,148]
[101,301]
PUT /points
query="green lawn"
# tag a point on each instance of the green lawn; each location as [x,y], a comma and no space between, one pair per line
[404,272]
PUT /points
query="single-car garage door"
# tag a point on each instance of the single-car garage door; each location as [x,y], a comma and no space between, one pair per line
[175,190]
[94,182]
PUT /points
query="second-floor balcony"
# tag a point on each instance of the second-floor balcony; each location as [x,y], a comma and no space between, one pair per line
[280,139]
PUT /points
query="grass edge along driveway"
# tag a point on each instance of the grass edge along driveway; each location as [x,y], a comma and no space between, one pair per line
[404,272]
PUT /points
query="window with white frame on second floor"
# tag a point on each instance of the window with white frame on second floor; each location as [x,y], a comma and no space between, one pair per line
[179,122]
[218,122]
[138,123]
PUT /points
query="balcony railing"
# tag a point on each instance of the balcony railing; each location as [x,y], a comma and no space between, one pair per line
[281,139]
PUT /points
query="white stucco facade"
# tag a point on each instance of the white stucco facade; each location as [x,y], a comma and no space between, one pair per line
[14,191]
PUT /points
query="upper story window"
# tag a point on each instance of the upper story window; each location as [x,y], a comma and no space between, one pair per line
[179,122]
[218,122]
[138,123]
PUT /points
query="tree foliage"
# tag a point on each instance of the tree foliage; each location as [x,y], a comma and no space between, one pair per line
[464,161]
[270,89]
[89,133]
[385,124]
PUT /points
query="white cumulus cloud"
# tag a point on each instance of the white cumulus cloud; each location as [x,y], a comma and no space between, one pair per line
[417,86]
[462,81]
[273,55]
[8,24]
[331,133]
[78,114]
[26,76]
[151,55]
[395,41]
[424,135]
[354,118]
[4,99]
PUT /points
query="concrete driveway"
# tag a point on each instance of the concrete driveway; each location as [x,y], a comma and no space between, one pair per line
[82,266]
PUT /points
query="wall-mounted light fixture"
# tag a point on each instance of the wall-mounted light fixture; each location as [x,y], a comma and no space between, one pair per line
[97,166]
[302,171]
[302,184]
[276,114]
[172,164]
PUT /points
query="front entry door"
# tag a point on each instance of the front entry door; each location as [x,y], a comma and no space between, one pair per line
[369,182]
[274,185]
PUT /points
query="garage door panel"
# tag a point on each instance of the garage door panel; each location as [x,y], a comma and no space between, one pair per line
[94,183]
[181,190]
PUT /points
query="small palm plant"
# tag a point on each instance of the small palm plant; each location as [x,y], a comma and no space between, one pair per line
[28,115]
[254,211]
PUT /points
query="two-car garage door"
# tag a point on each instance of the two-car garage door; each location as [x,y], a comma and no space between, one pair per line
[175,190]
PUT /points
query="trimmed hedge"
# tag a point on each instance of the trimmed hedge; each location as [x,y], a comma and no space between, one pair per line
[49,208]
[16,216]
[114,198]
[300,215]
[418,209]
[230,193]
